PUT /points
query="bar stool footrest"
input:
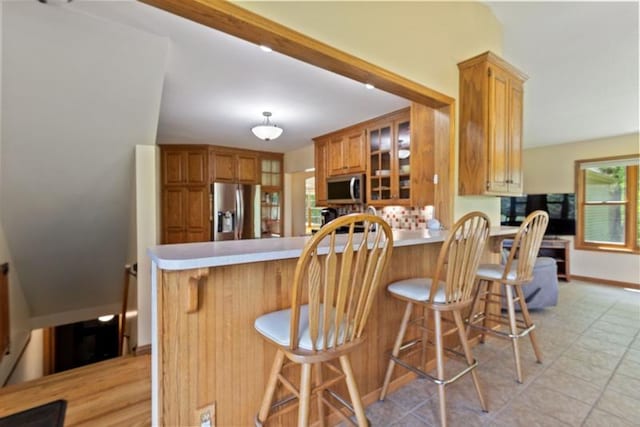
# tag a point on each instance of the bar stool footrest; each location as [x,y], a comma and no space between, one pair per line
[433,379]
[406,346]
[522,330]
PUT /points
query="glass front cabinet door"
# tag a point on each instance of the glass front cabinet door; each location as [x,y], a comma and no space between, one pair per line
[390,157]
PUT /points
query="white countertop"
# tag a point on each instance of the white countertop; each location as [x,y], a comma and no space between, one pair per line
[215,254]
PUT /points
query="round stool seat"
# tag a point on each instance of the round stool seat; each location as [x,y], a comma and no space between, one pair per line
[417,289]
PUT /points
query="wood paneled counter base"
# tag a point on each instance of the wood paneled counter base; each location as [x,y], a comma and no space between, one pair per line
[207,355]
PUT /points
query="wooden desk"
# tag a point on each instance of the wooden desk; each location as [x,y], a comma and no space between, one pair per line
[109,393]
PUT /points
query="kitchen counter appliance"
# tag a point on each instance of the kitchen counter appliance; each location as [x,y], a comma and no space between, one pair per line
[348,189]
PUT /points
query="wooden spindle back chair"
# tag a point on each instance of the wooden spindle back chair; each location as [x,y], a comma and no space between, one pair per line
[334,286]
[450,289]
[340,291]
[526,246]
[459,259]
[517,271]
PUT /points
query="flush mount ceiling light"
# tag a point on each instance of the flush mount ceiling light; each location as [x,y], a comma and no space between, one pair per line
[266,131]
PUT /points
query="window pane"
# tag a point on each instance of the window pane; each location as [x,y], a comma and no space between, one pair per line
[604,224]
[605,184]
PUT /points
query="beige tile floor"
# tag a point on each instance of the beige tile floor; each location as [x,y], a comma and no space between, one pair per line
[590,375]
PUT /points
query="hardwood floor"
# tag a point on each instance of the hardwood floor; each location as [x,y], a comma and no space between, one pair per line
[110,393]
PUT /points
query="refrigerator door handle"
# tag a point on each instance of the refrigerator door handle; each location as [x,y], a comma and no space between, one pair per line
[240,213]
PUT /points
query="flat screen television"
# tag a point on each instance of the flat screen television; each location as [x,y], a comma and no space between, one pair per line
[561,208]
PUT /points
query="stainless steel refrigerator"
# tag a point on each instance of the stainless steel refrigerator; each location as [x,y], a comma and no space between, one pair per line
[236,211]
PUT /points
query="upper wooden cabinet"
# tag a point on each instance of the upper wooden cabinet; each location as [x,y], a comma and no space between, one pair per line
[347,152]
[247,168]
[402,164]
[184,165]
[406,153]
[389,170]
[491,94]
[320,163]
[233,166]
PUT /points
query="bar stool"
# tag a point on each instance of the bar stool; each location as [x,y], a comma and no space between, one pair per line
[340,290]
[517,271]
[450,290]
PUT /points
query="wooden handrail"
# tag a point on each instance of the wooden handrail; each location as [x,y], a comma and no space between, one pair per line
[5,328]
[129,270]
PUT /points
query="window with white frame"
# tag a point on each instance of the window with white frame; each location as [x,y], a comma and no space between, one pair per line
[608,204]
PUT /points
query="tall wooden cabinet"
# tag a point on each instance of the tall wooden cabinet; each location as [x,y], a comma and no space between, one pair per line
[491,96]
[185,194]
[187,172]
[272,174]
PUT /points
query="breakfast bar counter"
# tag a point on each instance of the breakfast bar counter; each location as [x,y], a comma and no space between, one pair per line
[206,356]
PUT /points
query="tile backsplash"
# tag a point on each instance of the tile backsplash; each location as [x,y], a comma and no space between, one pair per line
[408,218]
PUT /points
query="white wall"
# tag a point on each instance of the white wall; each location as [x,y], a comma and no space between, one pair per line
[300,159]
[298,203]
[147,205]
[79,93]
[551,169]
[295,162]
[19,311]
[30,365]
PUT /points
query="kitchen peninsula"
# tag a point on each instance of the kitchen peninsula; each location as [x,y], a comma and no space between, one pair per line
[206,355]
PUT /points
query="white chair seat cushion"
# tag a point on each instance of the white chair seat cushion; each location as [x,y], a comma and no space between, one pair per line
[417,289]
[276,327]
[495,271]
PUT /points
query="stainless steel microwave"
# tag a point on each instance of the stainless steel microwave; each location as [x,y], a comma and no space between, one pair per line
[346,189]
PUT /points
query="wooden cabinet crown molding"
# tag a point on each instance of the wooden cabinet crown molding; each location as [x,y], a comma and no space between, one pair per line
[492,58]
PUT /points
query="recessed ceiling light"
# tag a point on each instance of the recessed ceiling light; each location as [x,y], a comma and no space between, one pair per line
[265,48]
[369,86]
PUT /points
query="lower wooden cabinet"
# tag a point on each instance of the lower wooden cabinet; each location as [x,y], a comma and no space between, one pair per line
[186,214]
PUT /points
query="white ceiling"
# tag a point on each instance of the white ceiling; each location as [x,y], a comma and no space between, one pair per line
[217,86]
[582,62]
[582,59]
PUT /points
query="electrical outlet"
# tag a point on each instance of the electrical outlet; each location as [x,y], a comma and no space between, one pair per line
[206,416]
